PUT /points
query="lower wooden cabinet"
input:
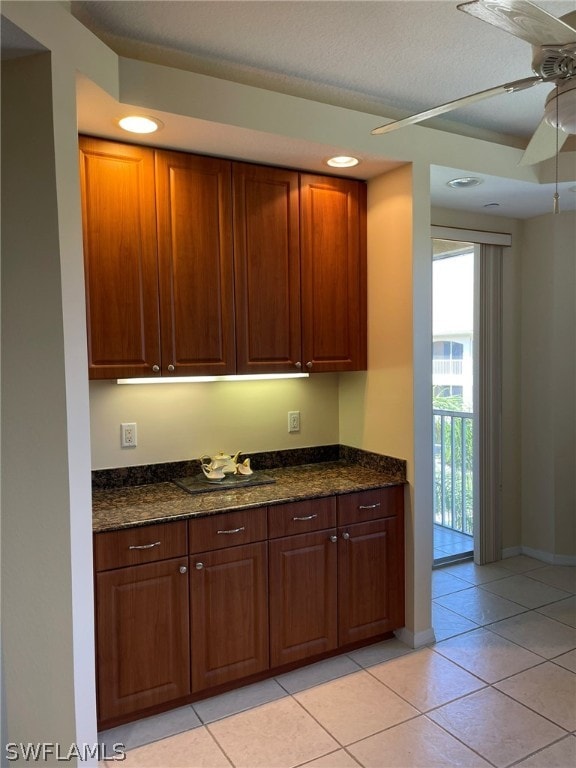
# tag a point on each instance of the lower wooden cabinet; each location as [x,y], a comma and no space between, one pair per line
[303,596]
[143,641]
[229,614]
[191,607]
[370,580]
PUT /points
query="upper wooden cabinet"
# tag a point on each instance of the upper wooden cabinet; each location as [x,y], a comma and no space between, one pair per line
[267,268]
[197,265]
[194,212]
[333,269]
[121,270]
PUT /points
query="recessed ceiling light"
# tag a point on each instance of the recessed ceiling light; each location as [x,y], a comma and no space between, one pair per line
[465,182]
[342,161]
[140,124]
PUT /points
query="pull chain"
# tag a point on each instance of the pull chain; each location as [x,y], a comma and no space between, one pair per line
[556,207]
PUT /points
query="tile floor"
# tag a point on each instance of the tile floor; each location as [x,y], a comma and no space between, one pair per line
[498,688]
[450,545]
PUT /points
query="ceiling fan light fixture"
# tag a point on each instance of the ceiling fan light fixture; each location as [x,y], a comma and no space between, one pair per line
[140,124]
[342,161]
[560,109]
[464,182]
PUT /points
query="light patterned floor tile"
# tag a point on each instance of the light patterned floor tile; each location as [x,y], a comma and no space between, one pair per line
[537,633]
[479,606]
[355,706]
[239,700]
[192,749]
[567,660]
[478,574]
[520,564]
[564,611]
[547,689]
[419,743]
[561,576]
[316,674]
[487,655]
[426,679]
[495,726]
[338,759]
[525,591]
[276,735]
[151,729]
[444,583]
[446,623]
[559,755]
[379,652]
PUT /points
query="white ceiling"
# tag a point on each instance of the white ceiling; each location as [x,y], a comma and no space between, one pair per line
[386,57]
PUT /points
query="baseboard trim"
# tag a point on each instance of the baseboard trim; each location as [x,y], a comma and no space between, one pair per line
[539,554]
[416,639]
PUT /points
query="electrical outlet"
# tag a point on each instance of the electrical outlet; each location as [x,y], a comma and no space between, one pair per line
[293,421]
[128,435]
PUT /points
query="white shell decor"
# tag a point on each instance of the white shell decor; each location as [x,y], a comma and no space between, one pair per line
[218,466]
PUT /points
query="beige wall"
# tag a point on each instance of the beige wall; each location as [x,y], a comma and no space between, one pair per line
[47,609]
[388,408]
[548,369]
[183,421]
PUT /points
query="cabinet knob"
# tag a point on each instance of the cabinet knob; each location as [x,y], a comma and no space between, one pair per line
[155,368]
[183,569]
[298,364]
[309,364]
[171,368]
[333,539]
[346,535]
[199,566]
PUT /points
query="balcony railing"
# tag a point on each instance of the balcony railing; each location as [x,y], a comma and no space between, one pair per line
[447,367]
[453,470]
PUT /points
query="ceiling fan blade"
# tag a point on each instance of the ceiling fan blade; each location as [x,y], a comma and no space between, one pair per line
[522,19]
[515,85]
[543,145]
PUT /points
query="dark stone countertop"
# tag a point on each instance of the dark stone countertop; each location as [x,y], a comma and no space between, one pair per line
[131,506]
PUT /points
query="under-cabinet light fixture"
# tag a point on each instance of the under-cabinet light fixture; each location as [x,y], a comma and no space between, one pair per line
[342,161]
[140,124]
[203,379]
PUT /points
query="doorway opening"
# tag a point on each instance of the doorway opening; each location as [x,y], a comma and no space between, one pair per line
[453,355]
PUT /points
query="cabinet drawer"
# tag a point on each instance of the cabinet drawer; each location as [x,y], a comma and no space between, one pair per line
[133,546]
[301,517]
[369,505]
[227,530]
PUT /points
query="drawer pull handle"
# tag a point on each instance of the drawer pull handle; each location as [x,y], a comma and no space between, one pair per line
[234,530]
[199,566]
[183,569]
[346,535]
[369,506]
[145,546]
[307,517]
[333,539]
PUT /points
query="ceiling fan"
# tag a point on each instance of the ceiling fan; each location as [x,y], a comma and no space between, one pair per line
[553,43]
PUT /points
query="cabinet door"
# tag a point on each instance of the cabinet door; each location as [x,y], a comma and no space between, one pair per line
[194,203]
[303,609]
[370,579]
[333,267]
[120,260]
[143,642]
[267,268]
[229,614]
